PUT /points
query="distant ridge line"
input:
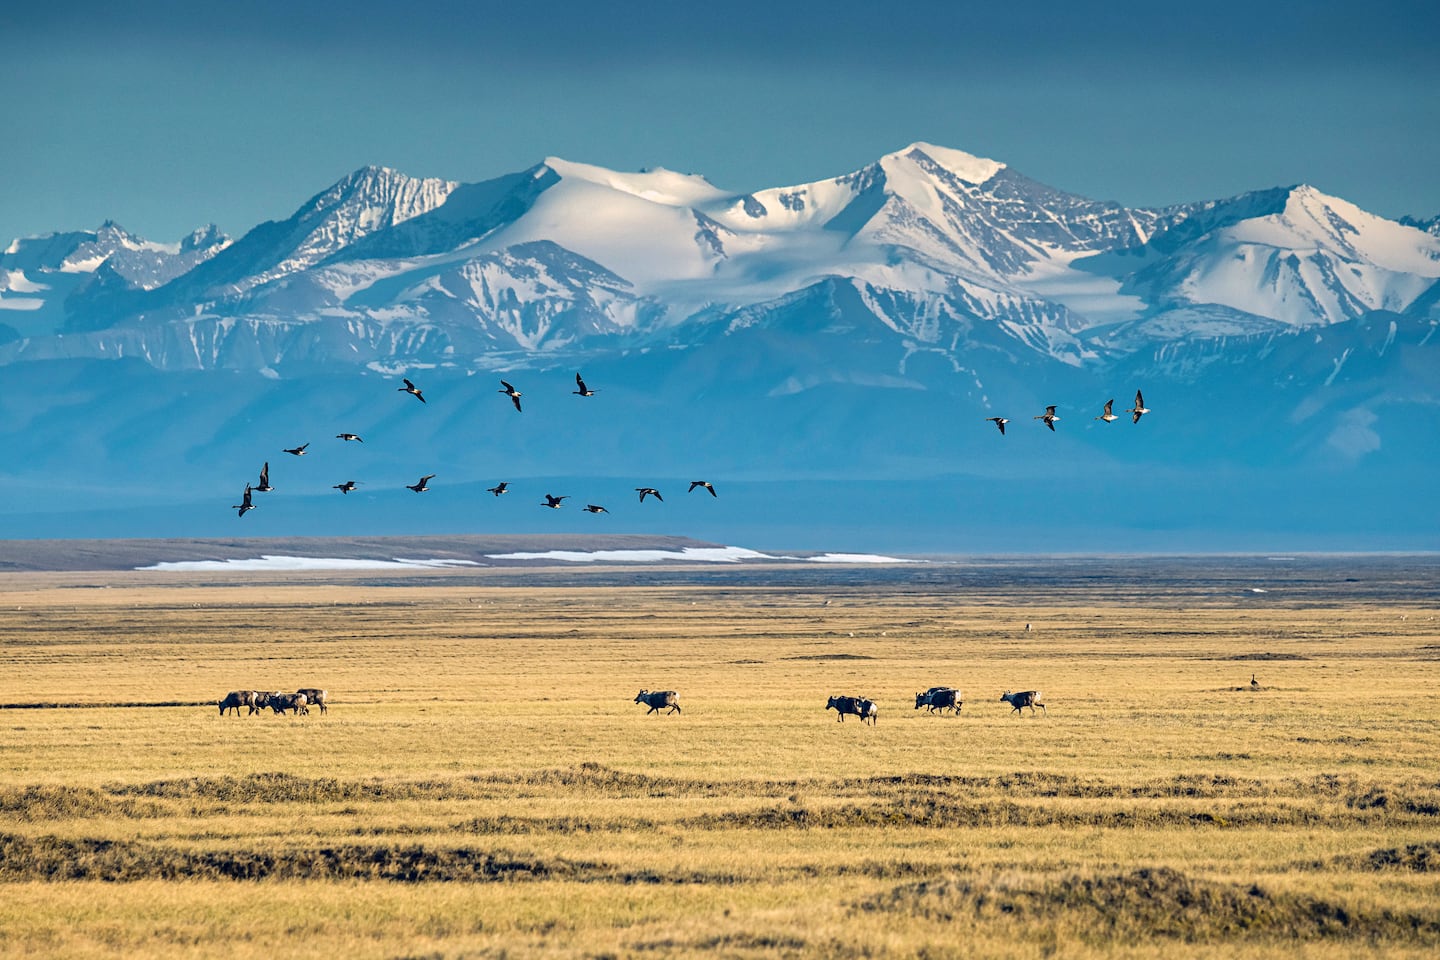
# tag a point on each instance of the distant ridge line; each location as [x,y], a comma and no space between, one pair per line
[75,556]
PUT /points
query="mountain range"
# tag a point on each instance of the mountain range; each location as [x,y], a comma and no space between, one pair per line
[851,332]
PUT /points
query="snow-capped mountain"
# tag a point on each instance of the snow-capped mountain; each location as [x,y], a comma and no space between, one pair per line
[38,275]
[944,249]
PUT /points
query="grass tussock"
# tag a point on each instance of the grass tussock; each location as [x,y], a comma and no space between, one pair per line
[1154,902]
[1414,857]
[61,859]
[934,814]
[40,802]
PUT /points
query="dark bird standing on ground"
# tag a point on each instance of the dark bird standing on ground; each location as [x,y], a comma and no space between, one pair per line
[584,391]
[594,508]
[1254,684]
[643,491]
[346,487]
[1048,416]
[554,502]
[1139,409]
[502,487]
[297,451]
[999,422]
[1109,415]
[264,485]
[348,437]
[419,486]
[702,483]
[411,389]
[244,505]
[510,392]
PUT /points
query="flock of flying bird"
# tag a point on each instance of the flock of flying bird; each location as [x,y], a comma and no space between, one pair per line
[1109,416]
[247,502]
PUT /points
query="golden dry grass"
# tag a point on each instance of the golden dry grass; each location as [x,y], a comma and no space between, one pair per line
[484,785]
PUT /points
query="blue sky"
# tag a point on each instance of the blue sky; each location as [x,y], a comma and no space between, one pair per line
[165,115]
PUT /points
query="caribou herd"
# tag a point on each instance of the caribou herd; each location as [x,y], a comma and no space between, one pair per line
[934,700]
[295,703]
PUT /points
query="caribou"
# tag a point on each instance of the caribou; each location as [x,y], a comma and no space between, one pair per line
[659,698]
[316,696]
[283,702]
[1027,698]
[236,699]
[939,698]
[844,705]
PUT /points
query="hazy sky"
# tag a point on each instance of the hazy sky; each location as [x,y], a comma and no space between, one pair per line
[168,114]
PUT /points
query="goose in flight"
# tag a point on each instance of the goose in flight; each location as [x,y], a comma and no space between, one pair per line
[594,508]
[502,487]
[419,486]
[297,451]
[348,437]
[702,483]
[510,392]
[1109,415]
[584,391]
[264,485]
[411,389]
[244,506]
[1139,409]
[651,491]
[999,422]
[554,502]
[1048,416]
[346,487]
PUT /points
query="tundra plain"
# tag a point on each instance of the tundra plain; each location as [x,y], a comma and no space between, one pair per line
[484,785]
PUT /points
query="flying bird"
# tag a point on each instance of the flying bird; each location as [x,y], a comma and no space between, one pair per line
[553,502]
[1109,415]
[419,486]
[594,508]
[1139,409]
[701,483]
[1048,416]
[502,487]
[297,451]
[264,485]
[584,391]
[999,422]
[411,389]
[348,437]
[346,487]
[643,491]
[244,506]
[511,392]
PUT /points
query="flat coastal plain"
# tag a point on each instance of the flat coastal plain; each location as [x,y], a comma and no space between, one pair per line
[484,785]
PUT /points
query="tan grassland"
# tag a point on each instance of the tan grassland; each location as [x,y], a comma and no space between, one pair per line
[484,786]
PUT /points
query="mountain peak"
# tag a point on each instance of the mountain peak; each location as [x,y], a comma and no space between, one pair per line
[965,166]
[655,184]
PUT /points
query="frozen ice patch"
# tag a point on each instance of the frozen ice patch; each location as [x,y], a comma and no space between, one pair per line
[276,563]
[702,554]
[857,558]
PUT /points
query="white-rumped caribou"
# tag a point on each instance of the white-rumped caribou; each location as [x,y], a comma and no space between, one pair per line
[655,699]
[1026,698]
